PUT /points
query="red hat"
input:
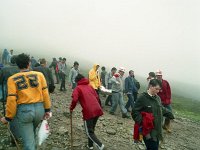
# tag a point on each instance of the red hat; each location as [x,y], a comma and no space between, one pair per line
[117,75]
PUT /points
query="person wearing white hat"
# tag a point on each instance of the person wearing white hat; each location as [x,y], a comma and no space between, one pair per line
[165,96]
[117,93]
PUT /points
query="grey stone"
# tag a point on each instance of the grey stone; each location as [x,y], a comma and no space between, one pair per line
[111,131]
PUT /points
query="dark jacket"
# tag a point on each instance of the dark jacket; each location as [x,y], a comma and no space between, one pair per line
[47,74]
[165,93]
[5,73]
[129,85]
[151,104]
[53,64]
[88,98]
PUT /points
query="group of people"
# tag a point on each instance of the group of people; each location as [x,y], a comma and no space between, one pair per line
[155,102]
[6,56]
[28,101]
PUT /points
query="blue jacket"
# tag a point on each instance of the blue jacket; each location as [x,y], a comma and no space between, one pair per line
[130,86]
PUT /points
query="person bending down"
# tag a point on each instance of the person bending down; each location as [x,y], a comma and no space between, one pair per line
[91,109]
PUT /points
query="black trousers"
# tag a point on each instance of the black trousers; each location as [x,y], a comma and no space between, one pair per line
[62,86]
[151,144]
[97,91]
[57,77]
[90,128]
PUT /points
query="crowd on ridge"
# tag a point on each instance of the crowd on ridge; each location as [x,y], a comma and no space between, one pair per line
[25,84]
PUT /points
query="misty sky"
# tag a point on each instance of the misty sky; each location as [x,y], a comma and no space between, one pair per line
[142,35]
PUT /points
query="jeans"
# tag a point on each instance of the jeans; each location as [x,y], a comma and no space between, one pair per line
[29,116]
[151,144]
[108,100]
[117,98]
[130,101]
[90,128]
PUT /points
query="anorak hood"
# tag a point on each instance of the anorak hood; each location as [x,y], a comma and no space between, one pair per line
[83,81]
[95,66]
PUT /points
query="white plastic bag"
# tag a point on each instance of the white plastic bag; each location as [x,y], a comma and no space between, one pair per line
[105,91]
[43,132]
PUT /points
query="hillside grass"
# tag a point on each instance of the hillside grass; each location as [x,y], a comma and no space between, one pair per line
[186,107]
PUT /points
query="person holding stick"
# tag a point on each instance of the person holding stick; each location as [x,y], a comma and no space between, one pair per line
[91,109]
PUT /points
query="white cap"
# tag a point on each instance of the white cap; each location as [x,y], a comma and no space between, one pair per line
[122,69]
[159,72]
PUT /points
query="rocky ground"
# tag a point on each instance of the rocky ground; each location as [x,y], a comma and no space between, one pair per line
[114,131]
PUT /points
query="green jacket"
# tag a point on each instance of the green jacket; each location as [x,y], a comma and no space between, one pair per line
[151,104]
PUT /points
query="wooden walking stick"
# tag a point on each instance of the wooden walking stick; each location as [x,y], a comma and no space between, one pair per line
[13,137]
[71,131]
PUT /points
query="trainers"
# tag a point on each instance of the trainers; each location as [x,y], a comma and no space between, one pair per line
[102,147]
[90,147]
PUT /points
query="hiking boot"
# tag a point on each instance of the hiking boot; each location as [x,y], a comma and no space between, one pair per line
[112,113]
[90,147]
[166,125]
[125,115]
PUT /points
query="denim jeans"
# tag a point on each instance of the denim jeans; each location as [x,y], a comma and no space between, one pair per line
[29,116]
[117,98]
[130,101]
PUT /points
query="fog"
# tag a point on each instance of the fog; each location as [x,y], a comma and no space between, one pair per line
[142,35]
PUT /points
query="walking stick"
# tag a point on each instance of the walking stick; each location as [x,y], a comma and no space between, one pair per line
[13,137]
[71,131]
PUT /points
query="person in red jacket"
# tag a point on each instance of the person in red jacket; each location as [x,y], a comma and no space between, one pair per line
[91,109]
[165,96]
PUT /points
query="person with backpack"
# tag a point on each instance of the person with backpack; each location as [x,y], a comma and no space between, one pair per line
[85,94]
